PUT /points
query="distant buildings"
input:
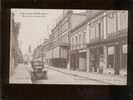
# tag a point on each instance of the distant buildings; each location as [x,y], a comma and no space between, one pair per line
[15,52]
[41,51]
[93,41]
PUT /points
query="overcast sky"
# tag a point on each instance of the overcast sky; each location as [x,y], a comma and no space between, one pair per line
[34,30]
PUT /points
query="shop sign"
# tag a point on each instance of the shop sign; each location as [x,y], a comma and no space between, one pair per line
[111,50]
[124,48]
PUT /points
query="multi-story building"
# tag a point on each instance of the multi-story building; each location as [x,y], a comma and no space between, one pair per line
[79,38]
[78,47]
[38,53]
[41,52]
[15,52]
[96,31]
[94,41]
[116,41]
[107,47]
[60,38]
[45,50]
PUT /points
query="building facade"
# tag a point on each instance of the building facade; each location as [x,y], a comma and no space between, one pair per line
[79,39]
[107,47]
[78,48]
[94,41]
[60,38]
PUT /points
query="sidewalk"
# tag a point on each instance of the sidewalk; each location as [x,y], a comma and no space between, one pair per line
[21,75]
[105,78]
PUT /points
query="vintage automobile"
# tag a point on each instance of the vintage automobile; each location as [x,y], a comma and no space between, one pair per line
[39,71]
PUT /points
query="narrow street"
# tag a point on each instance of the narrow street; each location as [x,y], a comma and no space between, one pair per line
[77,46]
[22,75]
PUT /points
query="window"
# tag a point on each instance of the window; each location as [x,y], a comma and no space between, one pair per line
[76,41]
[124,49]
[79,40]
[111,25]
[122,20]
[72,43]
[124,57]
[111,50]
[84,37]
[99,30]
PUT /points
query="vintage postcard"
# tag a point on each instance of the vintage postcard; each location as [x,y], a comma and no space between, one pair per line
[68,46]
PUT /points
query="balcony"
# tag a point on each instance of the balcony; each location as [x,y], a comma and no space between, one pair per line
[120,33]
[63,44]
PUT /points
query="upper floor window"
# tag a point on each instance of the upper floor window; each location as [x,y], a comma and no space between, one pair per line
[92,31]
[111,24]
[76,38]
[80,39]
[122,20]
[84,38]
[72,42]
[99,28]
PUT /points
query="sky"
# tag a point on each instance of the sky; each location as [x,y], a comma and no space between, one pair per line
[34,30]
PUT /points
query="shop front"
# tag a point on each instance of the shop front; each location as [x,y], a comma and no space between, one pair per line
[110,59]
[96,57]
[74,60]
[82,60]
[117,57]
[123,70]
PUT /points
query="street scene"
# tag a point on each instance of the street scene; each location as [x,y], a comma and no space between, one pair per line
[65,46]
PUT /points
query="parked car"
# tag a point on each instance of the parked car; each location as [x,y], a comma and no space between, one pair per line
[39,71]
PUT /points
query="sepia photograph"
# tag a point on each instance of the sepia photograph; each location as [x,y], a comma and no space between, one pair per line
[68,46]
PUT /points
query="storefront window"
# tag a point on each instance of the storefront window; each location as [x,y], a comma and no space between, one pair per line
[110,57]
[111,50]
[124,56]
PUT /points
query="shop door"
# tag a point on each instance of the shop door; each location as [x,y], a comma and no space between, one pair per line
[82,61]
[74,61]
[124,57]
[93,60]
[111,57]
[117,59]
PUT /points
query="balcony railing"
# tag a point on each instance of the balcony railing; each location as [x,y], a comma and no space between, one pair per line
[64,44]
[117,34]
